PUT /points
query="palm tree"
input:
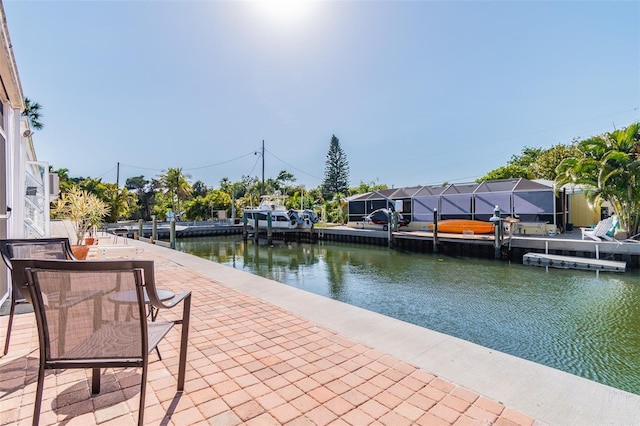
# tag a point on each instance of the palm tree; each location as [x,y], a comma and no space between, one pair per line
[33,114]
[174,182]
[119,201]
[608,165]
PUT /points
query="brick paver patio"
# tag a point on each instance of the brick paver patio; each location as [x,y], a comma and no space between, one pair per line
[249,362]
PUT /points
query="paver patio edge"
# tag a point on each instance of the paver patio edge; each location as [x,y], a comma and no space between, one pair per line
[549,395]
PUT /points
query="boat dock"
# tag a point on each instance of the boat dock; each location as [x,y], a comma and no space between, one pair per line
[573,262]
[183,229]
[512,247]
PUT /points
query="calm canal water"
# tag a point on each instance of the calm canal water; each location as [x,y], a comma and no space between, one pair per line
[575,321]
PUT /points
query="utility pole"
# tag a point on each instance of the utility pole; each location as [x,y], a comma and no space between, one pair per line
[118,175]
[177,192]
[262,189]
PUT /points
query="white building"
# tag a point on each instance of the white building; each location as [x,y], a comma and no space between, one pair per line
[24,182]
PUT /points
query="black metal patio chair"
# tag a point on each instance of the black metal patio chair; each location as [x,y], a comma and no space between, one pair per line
[90,333]
[42,248]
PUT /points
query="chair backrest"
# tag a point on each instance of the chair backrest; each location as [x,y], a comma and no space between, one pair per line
[602,227]
[40,248]
[615,224]
[99,315]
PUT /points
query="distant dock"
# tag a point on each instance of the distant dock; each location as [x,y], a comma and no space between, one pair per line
[512,247]
[573,262]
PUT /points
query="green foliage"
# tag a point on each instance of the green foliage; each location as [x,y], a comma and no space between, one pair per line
[281,183]
[136,183]
[547,162]
[336,210]
[533,163]
[506,172]
[32,110]
[364,187]
[608,165]
[163,203]
[176,184]
[203,207]
[199,189]
[83,209]
[526,158]
[66,182]
[303,200]
[120,202]
[145,195]
[95,186]
[336,172]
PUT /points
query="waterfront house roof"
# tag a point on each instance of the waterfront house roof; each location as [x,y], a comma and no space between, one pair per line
[11,90]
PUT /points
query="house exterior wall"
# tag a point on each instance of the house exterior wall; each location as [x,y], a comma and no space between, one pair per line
[13,148]
[581,214]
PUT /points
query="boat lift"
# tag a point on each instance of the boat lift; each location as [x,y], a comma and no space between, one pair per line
[393,215]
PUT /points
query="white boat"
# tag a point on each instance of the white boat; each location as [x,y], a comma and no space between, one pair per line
[281,217]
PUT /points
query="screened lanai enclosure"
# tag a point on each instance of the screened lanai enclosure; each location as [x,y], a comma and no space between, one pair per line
[526,200]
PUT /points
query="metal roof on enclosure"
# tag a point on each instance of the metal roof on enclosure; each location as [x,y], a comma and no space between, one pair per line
[510,185]
[393,193]
[405,192]
[513,196]
[431,190]
[461,188]
[503,185]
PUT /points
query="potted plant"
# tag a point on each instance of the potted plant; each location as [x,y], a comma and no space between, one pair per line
[85,211]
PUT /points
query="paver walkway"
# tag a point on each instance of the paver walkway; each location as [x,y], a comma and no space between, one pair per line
[249,362]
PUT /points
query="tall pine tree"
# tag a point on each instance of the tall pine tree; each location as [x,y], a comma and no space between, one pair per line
[336,171]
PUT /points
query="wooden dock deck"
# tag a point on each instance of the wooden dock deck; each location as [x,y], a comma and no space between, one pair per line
[483,239]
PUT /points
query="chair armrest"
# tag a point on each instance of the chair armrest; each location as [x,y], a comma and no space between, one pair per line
[185,297]
[158,304]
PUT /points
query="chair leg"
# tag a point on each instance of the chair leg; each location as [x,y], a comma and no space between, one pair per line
[143,392]
[184,341]
[39,391]
[12,311]
[95,381]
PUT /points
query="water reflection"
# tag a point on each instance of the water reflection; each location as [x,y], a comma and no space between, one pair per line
[571,320]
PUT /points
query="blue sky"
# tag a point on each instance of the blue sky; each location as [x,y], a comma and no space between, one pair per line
[417,92]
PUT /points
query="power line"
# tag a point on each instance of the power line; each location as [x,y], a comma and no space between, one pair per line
[142,168]
[155,169]
[292,166]
[222,162]
[254,166]
[105,173]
